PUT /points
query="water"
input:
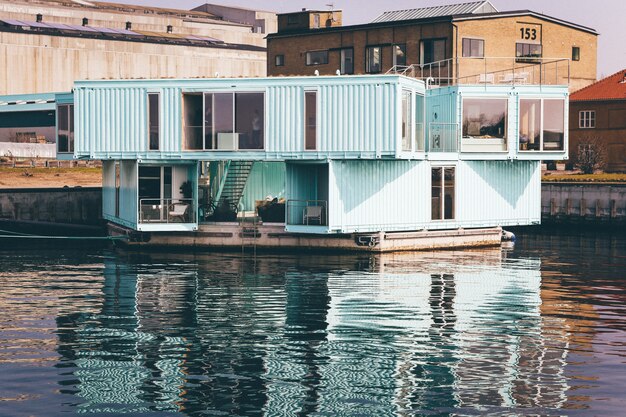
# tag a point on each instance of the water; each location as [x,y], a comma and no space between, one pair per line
[539,330]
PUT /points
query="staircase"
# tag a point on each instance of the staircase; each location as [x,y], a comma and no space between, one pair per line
[233,183]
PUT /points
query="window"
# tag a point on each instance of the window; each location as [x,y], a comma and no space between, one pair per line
[399,55]
[223,121]
[279,60]
[373,59]
[317,57]
[473,48]
[118,184]
[65,128]
[587,119]
[407,119]
[419,122]
[153,121]
[541,124]
[575,53]
[310,120]
[527,51]
[485,118]
[442,193]
[347,61]
[316,21]
[432,50]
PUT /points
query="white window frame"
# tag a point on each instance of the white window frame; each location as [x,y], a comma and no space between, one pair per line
[542,100]
[506,116]
[587,119]
[442,202]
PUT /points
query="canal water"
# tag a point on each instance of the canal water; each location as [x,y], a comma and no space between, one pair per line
[536,330]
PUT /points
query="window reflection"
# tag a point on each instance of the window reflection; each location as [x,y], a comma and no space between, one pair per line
[484,118]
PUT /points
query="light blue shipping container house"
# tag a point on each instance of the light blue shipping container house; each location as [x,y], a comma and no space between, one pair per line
[331,155]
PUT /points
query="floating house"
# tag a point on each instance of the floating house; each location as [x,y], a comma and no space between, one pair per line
[375,162]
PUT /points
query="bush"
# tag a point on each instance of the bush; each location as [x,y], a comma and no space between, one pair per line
[591,155]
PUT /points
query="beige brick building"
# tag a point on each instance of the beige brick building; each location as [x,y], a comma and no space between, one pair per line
[463,41]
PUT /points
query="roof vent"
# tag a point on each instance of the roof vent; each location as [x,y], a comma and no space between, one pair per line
[304,9]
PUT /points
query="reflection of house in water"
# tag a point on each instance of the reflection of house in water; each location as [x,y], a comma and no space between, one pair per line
[412,332]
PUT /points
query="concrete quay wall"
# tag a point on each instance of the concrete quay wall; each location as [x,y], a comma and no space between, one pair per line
[78,205]
[583,203]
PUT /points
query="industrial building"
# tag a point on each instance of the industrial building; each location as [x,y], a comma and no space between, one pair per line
[46,45]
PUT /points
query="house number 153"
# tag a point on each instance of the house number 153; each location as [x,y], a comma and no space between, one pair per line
[528,33]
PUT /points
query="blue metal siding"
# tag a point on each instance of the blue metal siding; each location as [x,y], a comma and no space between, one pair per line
[490,193]
[378,195]
[357,117]
[266,179]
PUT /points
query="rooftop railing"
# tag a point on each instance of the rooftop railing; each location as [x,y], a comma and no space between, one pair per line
[497,71]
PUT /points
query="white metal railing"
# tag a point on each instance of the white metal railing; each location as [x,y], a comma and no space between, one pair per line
[491,70]
[307,212]
[443,137]
[167,210]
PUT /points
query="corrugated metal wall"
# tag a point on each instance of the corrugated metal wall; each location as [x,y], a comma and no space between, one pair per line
[378,195]
[498,192]
[266,179]
[128,193]
[355,114]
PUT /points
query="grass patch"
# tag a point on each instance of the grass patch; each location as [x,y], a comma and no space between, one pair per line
[596,178]
[42,170]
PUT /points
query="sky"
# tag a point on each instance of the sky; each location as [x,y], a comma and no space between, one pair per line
[605,16]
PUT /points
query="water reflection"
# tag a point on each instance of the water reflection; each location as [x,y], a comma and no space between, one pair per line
[452,333]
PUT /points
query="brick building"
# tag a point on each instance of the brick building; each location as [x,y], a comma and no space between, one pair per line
[462,40]
[599,111]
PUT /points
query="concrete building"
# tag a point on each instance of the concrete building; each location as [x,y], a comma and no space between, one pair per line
[46,45]
[445,42]
[599,112]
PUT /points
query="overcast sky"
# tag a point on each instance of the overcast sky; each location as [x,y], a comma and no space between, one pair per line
[605,16]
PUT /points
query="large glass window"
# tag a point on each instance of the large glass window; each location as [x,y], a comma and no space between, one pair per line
[399,55]
[473,48]
[373,59]
[153,121]
[407,118]
[279,60]
[553,125]
[65,128]
[419,122]
[587,119]
[347,61]
[530,124]
[223,121]
[442,193]
[484,118]
[310,120]
[432,50]
[542,124]
[317,57]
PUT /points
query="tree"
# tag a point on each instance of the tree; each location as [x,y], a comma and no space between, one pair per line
[591,155]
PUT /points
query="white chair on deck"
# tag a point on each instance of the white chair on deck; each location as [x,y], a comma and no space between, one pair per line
[179,211]
[312,213]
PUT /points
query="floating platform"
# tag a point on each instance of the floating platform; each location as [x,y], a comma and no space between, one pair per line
[273,237]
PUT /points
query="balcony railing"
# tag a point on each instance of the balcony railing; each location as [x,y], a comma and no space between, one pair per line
[443,137]
[167,210]
[496,70]
[307,212]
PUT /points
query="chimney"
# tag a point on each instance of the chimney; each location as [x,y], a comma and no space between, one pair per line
[39,17]
[304,9]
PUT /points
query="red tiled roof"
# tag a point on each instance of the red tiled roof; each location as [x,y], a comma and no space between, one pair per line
[612,87]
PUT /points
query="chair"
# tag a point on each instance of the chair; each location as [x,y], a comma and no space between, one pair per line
[179,211]
[312,213]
